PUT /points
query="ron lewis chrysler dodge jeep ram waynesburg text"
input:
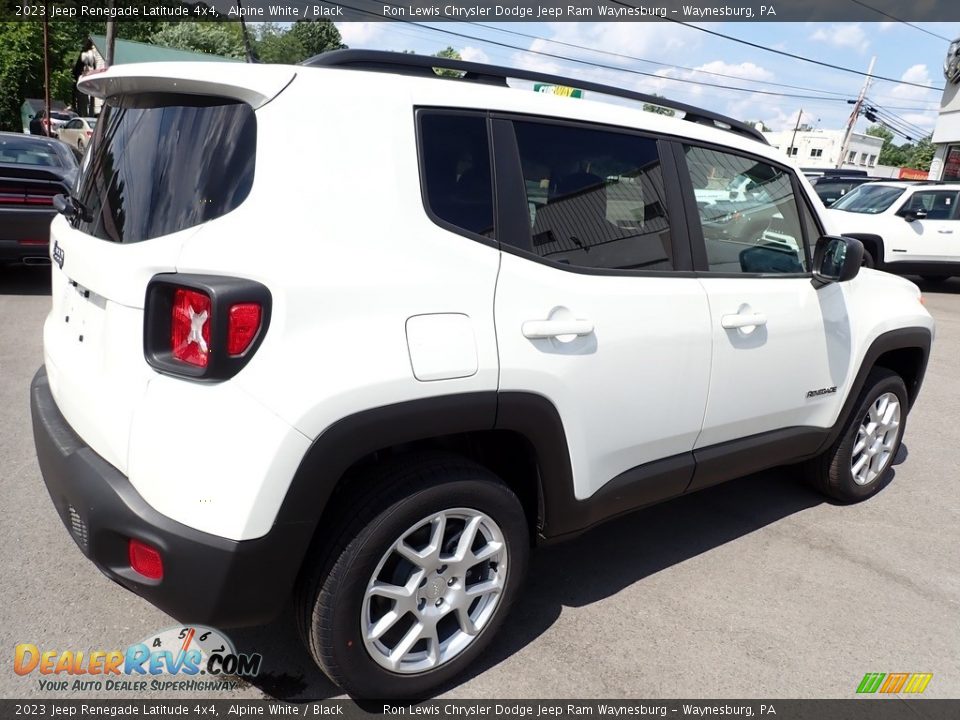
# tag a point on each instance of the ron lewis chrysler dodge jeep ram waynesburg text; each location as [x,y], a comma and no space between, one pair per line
[478,319]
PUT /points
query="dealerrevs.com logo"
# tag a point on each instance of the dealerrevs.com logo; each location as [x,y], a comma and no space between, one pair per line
[182,658]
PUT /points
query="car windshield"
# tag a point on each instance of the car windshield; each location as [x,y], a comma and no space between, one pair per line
[868,199]
[26,152]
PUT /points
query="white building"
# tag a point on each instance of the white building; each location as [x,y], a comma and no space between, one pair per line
[946,133]
[822,148]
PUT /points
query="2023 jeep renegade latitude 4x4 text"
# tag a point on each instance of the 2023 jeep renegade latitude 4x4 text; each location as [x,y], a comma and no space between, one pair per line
[476,318]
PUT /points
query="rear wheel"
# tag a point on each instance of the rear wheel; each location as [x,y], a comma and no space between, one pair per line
[859,462]
[419,581]
[80,144]
[868,260]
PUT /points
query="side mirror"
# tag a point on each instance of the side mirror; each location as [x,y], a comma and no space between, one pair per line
[836,259]
[913,215]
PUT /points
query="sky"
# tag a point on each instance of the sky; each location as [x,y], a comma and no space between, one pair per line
[902,53]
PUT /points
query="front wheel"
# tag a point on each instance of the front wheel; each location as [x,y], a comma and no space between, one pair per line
[868,261]
[858,464]
[419,582]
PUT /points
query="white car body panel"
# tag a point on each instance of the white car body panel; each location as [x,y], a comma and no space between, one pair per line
[657,377]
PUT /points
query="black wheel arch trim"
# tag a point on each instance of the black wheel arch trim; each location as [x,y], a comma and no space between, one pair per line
[535,418]
[918,338]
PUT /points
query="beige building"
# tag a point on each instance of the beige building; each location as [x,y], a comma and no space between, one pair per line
[822,148]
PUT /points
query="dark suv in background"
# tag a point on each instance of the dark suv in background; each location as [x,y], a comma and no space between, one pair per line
[831,185]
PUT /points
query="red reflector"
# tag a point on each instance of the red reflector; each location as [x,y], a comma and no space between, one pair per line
[242,327]
[146,560]
[190,327]
[32,241]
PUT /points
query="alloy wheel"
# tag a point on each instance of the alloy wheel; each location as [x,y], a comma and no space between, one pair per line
[434,591]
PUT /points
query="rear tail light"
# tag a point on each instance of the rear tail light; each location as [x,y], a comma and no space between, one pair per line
[89,134]
[202,326]
[242,327]
[190,327]
[145,559]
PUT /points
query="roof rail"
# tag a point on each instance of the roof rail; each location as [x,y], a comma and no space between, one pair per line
[421,65]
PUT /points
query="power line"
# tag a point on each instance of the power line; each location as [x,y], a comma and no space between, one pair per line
[590,62]
[899,20]
[783,52]
[895,121]
[654,62]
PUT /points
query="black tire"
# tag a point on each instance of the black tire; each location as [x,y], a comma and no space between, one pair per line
[391,499]
[868,261]
[831,472]
[80,144]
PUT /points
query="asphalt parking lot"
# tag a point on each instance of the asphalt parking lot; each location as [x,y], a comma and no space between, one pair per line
[756,588]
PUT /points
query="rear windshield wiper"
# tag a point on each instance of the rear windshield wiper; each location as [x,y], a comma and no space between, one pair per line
[71,207]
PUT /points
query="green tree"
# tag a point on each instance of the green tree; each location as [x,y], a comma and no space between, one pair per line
[21,63]
[448,53]
[316,36]
[215,38]
[890,154]
[921,154]
[305,39]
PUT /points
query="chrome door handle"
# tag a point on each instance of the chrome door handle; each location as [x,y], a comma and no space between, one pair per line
[536,329]
[744,320]
[945,232]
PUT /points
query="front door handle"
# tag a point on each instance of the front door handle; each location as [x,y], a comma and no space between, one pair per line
[537,329]
[945,232]
[743,320]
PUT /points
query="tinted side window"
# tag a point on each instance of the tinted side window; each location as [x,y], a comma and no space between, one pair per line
[160,165]
[455,154]
[748,213]
[938,204]
[595,197]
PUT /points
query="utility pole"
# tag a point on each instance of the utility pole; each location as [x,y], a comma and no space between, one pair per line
[855,115]
[111,41]
[111,35]
[46,123]
[248,48]
[794,138]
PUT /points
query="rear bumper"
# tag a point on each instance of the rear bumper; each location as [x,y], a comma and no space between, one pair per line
[207,579]
[25,234]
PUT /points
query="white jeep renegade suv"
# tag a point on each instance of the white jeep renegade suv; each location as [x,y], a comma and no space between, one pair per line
[908,228]
[369,374]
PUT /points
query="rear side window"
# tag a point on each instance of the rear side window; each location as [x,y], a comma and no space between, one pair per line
[160,164]
[748,213]
[455,167]
[595,198]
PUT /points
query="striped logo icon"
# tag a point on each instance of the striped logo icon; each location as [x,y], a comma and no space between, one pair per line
[892,683]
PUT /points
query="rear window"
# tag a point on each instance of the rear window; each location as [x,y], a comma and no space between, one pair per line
[15,151]
[160,164]
[868,199]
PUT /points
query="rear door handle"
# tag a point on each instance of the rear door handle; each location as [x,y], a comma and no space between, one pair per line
[536,329]
[743,320]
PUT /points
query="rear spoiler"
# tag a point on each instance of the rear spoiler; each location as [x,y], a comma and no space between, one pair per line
[16,171]
[255,85]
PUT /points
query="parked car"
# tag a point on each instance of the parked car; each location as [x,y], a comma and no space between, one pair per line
[908,228]
[78,131]
[39,124]
[32,171]
[508,320]
[831,188]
